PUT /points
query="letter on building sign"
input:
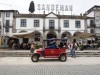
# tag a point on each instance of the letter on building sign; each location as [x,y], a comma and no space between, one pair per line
[48,7]
[61,7]
[52,7]
[70,8]
[57,7]
[66,8]
[38,7]
[43,7]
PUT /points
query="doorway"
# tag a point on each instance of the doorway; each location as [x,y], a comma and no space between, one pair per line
[49,36]
[25,40]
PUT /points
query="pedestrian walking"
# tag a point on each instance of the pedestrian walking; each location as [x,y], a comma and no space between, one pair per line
[73,49]
[32,48]
[70,46]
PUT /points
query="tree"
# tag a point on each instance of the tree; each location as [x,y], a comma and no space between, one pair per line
[32,7]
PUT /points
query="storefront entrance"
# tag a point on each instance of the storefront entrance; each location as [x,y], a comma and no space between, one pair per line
[25,40]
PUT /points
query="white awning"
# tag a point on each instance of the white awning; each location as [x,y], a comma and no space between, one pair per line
[24,34]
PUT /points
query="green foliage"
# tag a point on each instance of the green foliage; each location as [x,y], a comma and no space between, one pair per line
[81,47]
[38,46]
[98,44]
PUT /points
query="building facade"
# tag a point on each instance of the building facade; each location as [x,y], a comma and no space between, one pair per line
[94,17]
[6,24]
[44,26]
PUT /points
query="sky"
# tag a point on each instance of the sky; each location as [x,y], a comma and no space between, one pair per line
[79,6]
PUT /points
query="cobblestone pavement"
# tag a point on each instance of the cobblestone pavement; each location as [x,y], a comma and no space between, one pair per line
[44,61]
[49,69]
[73,66]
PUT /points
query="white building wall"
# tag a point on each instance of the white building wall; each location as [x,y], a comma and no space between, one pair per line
[72,28]
[11,22]
[91,14]
[29,25]
[3,22]
[88,25]
[97,30]
[97,18]
[2,19]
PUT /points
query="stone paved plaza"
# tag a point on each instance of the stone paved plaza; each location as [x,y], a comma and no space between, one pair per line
[73,66]
[50,69]
[49,61]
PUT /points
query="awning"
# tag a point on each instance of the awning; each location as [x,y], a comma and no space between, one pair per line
[86,35]
[24,34]
[83,35]
[74,37]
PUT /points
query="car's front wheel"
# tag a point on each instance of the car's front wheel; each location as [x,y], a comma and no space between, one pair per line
[35,58]
[63,57]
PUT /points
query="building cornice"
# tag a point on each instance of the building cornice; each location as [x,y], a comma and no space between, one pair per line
[29,16]
[9,11]
[90,18]
[44,16]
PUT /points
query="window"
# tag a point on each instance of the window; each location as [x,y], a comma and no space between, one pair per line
[77,24]
[23,23]
[66,23]
[91,30]
[91,23]
[37,37]
[7,14]
[36,23]
[51,24]
[7,25]
[6,29]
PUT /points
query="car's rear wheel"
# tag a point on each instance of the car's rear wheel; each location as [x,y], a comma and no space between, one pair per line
[35,58]
[63,57]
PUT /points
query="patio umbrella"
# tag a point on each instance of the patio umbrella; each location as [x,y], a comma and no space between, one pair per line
[86,35]
[32,7]
[83,35]
[24,35]
[74,37]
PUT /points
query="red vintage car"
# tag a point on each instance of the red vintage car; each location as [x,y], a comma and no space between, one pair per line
[49,52]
